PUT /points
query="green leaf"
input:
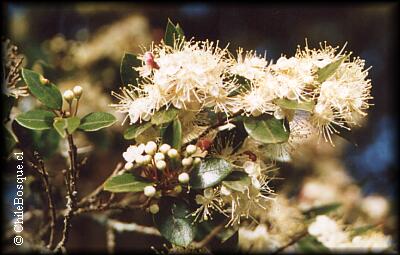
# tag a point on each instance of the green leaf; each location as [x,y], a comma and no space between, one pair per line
[173,223]
[128,74]
[70,124]
[209,172]
[327,71]
[173,32]
[238,181]
[173,134]
[136,129]
[324,209]
[126,182]
[36,119]
[9,140]
[164,116]
[267,129]
[47,93]
[295,105]
[361,230]
[97,120]
[7,103]
[310,244]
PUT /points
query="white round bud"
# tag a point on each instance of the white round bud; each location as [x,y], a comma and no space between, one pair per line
[172,153]
[128,166]
[146,159]
[187,161]
[140,160]
[151,148]
[77,90]
[149,191]
[161,165]
[159,156]
[154,208]
[164,148]
[68,95]
[190,149]
[183,178]
[197,161]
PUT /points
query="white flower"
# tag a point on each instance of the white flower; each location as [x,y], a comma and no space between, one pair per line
[250,66]
[373,242]
[133,152]
[208,202]
[258,239]
[375,206]
[328,232]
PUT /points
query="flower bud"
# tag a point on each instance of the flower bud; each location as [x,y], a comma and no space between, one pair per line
[183,178]
[77,90]
[149,191]
[146,159]
[172,153]
[151,148]
[190,149]
[197,161]
[159,156]
[128,166]
[178,189]
[43,80]
[161,165]
[68,95]
[186,162]
[154,208]
[164,148]
[140,160]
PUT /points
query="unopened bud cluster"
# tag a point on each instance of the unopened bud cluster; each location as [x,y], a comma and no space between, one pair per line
[76,92]
[162,162]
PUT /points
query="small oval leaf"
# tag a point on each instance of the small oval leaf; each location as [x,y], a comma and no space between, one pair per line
[173,34]
[36,119]
[173,223]
[72,124]
[136,129]
[97,120]
[47,93]
[173,134]
[327,71]
[60,125]
[127,71]
[209,172]
[295,105]
[164,116]
[238,181]
[126,182]
[267,129]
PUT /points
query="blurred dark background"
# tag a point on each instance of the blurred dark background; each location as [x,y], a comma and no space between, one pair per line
[370,30]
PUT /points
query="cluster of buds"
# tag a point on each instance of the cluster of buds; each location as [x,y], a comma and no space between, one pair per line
[76,92]
[167,168]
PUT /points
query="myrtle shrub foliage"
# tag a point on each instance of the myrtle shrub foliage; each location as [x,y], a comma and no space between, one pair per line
[207,128]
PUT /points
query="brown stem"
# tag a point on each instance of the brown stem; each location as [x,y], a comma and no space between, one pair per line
[293,241]
[70,182]
[52,211]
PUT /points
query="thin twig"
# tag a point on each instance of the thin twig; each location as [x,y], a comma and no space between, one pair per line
[293,241]
[46,184]
[133,227]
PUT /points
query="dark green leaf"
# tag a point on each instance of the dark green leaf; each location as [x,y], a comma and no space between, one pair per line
[209,172]
[164,116]
[46,93]
[324,209]
[97,120]
[267,129]
[310,244]
[173,32]
[72,124]
[173,134]
[128,74]
[173,223]
[126,182]
[295,105]
[361,230]
[327,71]
[36,119]
[238,181]
[136,129]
